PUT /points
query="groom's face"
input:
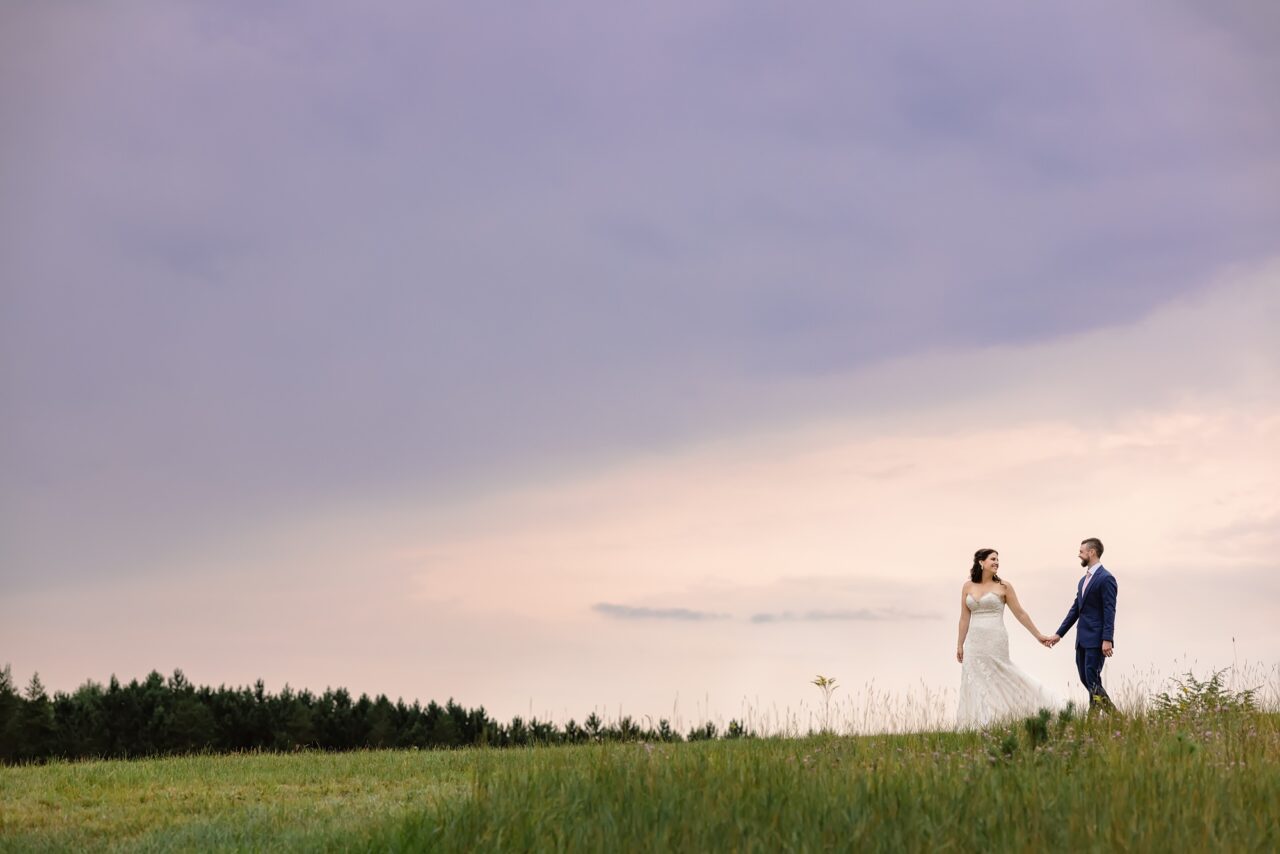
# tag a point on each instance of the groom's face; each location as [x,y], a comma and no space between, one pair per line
[1085,555]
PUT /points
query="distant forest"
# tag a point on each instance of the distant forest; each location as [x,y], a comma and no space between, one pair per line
[158,717]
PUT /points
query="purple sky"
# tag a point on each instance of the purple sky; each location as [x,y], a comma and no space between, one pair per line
[263,260]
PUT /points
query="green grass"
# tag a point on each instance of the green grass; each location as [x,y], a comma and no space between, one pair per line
[1204,783]
[298,800]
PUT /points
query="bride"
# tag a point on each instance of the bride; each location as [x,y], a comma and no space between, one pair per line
[992,688]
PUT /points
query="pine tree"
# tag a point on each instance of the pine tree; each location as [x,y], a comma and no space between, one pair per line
[36,722]
[382,724]
[10,709]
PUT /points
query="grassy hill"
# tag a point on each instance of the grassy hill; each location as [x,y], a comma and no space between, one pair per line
[1202,780]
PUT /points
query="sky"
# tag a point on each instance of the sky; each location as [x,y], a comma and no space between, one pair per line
[649,359]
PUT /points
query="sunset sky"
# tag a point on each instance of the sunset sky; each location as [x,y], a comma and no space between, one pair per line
[648,358]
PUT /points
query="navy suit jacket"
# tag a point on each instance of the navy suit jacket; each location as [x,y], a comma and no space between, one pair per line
[1096,611]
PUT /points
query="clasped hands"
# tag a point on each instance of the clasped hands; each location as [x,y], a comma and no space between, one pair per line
[1048,642]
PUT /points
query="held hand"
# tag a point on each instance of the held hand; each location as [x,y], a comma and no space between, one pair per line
[1107,648]
[960,654]
[1052,640]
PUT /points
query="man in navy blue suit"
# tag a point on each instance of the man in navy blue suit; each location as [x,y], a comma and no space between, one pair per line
[1095,608]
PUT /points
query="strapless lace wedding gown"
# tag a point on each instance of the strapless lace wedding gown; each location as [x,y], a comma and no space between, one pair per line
[992,688]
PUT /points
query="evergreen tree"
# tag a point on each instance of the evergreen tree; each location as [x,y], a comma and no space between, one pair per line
[10,711]
[299,725]
[382,723]
[37,727]
[156,716]
[78,719]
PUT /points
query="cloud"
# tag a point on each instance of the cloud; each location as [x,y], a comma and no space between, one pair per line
[584,308]
[351,256]
[989,448]
[629,612]
[1171,464]
[856,614]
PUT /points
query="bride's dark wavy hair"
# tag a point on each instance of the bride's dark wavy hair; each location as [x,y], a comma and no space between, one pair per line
[975,574]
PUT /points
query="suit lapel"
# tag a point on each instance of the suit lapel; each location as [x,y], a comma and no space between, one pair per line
[1098,575]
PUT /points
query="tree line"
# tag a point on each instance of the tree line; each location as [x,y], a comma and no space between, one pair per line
[158,717]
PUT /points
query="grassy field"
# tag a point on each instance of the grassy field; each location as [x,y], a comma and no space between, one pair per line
[1191,784]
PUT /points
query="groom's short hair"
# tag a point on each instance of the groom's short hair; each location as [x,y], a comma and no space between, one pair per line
[1093,543]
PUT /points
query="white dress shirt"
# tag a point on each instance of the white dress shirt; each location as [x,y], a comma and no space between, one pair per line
[1088,576]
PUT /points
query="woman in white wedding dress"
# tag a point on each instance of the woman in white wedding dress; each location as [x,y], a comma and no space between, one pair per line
[992,688]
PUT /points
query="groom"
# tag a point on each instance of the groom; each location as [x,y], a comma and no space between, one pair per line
[1095,608]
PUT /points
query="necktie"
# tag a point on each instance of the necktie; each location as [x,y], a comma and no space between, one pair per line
[1088,576]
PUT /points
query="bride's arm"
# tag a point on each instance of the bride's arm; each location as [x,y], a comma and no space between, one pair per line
[1011,600]
[964,624]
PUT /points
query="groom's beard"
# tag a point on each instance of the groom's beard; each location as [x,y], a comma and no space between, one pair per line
[1084,562]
